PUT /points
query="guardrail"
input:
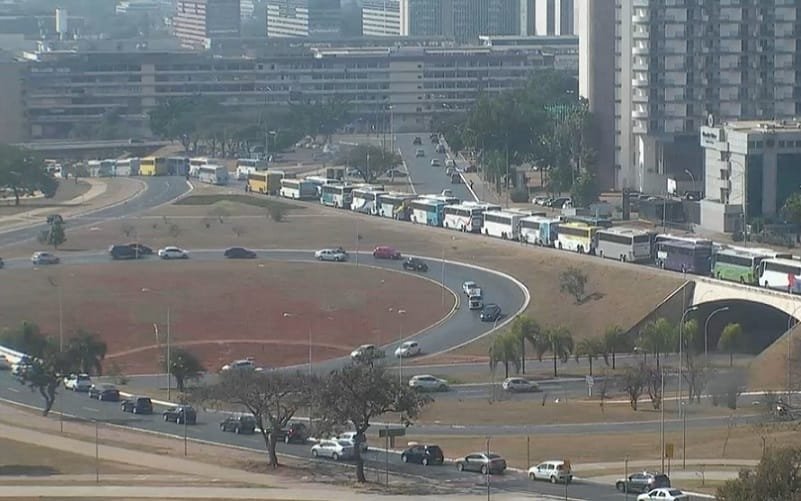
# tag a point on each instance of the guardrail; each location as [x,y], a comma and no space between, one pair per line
[12,355]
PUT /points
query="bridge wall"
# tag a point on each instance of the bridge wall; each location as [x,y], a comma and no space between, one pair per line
[709,290]
[670,308]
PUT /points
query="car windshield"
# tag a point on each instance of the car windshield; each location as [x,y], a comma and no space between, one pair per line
[675,492]
[343,443]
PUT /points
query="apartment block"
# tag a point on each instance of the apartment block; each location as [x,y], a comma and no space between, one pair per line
[61,90]
[195,21]
[303,18]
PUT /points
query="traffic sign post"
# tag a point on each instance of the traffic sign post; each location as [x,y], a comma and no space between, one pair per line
[590,383]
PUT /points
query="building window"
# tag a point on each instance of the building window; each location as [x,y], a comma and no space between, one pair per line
[781,144]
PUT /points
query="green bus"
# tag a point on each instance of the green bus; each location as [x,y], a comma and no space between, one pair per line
[737,264]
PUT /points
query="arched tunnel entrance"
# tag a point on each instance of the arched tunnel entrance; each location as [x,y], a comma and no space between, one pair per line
[762,324]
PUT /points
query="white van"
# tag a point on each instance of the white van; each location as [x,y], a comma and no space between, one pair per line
[476,299]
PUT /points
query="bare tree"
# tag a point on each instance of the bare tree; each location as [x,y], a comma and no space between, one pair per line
[238,230]
[358,393]
[271,397]
[128,230]
[655,387]
[633,381]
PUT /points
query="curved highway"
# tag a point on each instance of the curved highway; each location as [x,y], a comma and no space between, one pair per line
[424,178]
[160,190]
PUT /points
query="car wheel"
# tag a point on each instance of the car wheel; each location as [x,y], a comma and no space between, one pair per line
[222,427]
[335,456]
[134,411]
[532,476]
[443,388]
[553,479]
[459,467]
[404,458]
[238,430]
[314,452]
[179,421]
[166,418]
[620,486]
[484,469]
[425,461]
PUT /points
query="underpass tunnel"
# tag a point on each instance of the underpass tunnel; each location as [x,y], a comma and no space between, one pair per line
[762,324]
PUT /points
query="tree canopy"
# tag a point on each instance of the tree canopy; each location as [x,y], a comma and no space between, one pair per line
[23,173]
[370,161]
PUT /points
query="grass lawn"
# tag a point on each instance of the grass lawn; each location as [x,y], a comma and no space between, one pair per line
[258,201]
[23,459]
[67,190]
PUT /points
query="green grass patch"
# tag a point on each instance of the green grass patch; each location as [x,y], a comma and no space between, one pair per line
[265,202]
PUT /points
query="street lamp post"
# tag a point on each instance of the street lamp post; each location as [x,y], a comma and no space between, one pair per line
[789,350]
[400,337]
[706,331]
[167,362]
[681,345]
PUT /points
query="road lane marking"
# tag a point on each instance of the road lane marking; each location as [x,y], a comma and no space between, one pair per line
[91,409]
[15,390]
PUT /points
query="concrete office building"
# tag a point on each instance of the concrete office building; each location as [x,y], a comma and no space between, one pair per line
[381,18]
[303,18]
[596,69]
[750,169]
[679,63]
[418,83]
[564,50]
[195,21]
[554,17]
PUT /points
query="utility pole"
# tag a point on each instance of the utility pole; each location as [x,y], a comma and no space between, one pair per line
[661,423]
[169,372]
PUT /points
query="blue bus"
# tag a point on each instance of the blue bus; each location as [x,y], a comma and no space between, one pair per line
[539,230]
[428,211]
[336,195]
[687,257]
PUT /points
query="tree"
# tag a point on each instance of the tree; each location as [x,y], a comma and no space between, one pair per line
[184,366]
[505,349]
[47,365]
[633,381]
[358,393]
[25,338]
[87,352]
[573,281]
[791,210]
[55,235]
[272,398]
[370,161]
[730,340]
[525,329]
[23,173]
[658,337]
[777,478]
[590,348]
[181,119]
[654,379]
[560,343]
[615,341]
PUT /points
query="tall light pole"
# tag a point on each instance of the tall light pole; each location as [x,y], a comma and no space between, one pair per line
[168,359]
[706,331]
[790,320]
[400,337]
[681,345]
[442,278]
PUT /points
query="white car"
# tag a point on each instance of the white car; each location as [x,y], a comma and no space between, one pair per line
[663,494]
[173,253]
[426,382]
[519,385]
[468,286]
[366,351]
[407,349]
[435,162]
[350,438]
[475,303]
[552,471]
[334,449]
[44,258]
[78,382]
[5,365]
[330,255]
[246,363]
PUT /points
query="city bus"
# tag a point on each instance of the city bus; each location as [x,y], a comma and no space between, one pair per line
[395,205]
[177,166]
[320,181]
[781,274]
[501,224]
[128,167]
[298,189]
[153,166]
[739,264]
[245,166]
[448,199]
[336,195]
[196,163]
[539,230]
[624,244]
[463,217]
[428,211]
[687,257]
[577,237]
[213,174]
[365,200]
[257,183]
[659,240]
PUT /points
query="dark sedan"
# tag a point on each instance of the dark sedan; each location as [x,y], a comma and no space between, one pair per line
[140,249]
[239,253]
[490,313]
[423,454]
[239,425]
[182,414]
[415,264]
[104,392]
[137,405]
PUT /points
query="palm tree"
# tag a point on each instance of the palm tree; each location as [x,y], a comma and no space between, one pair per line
[590,348]
[505,350]
[658,338]
[525,329]
[730,340]
[560,342]
[87,352]
[614,341]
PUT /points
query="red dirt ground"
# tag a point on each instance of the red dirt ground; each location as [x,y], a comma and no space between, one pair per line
[213,302]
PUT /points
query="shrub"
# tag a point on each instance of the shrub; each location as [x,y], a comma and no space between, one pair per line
[519,195]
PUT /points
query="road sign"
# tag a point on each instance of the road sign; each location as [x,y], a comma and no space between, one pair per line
[590,380]
[669,450]
[391,432]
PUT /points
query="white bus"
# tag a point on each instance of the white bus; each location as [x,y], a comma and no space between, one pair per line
[320,181]
[502,224]
[395,205]
[366,200]
[782,274]
[213,174]
[660,255]
[624,244]
[245,166]
[449,200]
[336,195]
[297,189]
[128,167]
[196,163]
[577,237]
[428,211]
[463,217]
[539,230]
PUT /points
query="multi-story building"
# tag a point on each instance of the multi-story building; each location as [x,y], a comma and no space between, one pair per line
[303,18]
[554,17]
[564,49]
[195,21]
[381,18]
[61,90]
[751,168]
[679,63]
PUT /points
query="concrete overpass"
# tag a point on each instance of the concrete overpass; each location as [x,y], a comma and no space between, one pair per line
[92,149]
[708,290]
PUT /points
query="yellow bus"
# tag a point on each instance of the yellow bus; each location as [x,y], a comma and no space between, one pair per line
[153,166]
[267,182]
[577,237]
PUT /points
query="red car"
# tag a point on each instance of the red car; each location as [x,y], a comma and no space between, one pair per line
[384,252]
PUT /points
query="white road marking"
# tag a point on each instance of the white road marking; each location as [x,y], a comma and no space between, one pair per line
[90,409]
[15,390]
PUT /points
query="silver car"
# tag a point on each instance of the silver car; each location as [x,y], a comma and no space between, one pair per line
[44,258]
[334,449]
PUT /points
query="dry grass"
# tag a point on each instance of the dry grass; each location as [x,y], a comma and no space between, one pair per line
[22,459]
[67,190]
[769,368]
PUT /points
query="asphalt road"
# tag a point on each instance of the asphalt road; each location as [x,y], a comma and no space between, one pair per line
[159,190]
[207,428]
[427,179]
